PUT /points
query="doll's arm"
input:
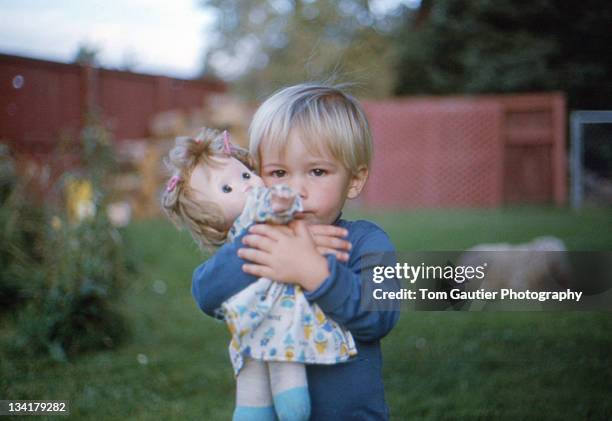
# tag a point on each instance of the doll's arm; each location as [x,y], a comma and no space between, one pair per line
[342,294]
[282,201]
[220,277]
[277,204]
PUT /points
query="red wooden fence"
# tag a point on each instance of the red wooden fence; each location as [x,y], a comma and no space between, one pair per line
[467,151]
[42,102]
[429,152]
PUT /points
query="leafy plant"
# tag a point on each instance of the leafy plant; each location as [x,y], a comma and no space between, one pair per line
[21,234]
[71,277]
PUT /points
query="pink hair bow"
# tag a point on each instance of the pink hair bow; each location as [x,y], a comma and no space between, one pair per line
[172,183]
[227,146]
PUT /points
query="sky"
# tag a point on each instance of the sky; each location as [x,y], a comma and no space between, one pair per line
[156,36]
[167,37]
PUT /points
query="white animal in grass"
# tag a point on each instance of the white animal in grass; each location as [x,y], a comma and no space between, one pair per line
[539,265]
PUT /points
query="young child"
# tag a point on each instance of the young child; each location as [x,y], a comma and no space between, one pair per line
[275,330]
[316,140]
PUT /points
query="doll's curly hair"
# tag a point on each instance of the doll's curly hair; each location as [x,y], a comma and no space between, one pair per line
[203,219]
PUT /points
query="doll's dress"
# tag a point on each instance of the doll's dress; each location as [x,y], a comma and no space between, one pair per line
[273,321]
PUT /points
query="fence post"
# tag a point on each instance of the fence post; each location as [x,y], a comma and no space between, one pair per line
[90,90]
[576,159]
[559,152]
[163,94]
[577,120]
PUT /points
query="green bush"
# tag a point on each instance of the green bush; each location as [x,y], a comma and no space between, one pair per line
[21,236]
[76,307]
[67,274]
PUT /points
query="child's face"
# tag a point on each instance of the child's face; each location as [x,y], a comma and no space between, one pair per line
[226,183]
[322,181]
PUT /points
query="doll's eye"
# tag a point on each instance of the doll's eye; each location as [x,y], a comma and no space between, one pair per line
[246,175]
[226,188]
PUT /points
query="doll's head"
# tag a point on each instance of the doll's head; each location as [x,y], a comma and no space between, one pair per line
[209,185]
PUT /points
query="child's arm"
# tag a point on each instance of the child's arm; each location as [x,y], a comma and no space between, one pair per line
[338,289]
[220,277]
[341,293]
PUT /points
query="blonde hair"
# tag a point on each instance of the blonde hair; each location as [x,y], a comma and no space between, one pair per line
[333,118]
[203,219]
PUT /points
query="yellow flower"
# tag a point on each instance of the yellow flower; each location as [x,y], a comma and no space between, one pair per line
[56,223]
[79,199]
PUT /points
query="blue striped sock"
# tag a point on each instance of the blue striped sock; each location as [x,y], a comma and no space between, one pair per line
[293,404]
[254,413]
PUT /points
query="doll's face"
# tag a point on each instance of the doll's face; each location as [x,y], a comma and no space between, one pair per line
[226,183]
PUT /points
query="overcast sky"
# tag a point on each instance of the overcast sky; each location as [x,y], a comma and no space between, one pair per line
[166,37]
[159,36]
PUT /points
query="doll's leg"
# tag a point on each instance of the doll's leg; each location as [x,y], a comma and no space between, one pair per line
[290,391]
[253,394]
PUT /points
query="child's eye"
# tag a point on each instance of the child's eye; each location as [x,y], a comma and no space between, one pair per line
[278,173]
[226,188]
[318,172]
[246,175]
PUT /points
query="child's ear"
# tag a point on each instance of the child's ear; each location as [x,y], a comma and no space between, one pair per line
[357,181]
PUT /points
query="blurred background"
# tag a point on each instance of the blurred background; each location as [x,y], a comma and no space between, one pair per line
[491,124]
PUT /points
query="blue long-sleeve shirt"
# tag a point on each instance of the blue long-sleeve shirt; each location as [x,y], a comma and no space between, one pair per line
[352,390]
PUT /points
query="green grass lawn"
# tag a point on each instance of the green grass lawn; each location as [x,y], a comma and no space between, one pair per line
[437,365]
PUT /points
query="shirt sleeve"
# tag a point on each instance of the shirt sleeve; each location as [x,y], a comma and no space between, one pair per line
[346,294]
[220,277]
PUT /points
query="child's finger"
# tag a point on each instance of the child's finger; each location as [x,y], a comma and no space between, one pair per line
[343,257]
[332,242]
[258,270]
[275,232]
[300,228]
[255,256]
[328,230]
[258,242]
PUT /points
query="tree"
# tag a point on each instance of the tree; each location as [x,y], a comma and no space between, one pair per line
[265,44]
[87,55]
[478,46]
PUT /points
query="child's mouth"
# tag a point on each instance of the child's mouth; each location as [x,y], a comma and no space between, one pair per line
[303,215]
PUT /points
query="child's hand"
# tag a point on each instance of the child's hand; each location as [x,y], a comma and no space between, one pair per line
[281,200]
[330,240]
[285,254]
